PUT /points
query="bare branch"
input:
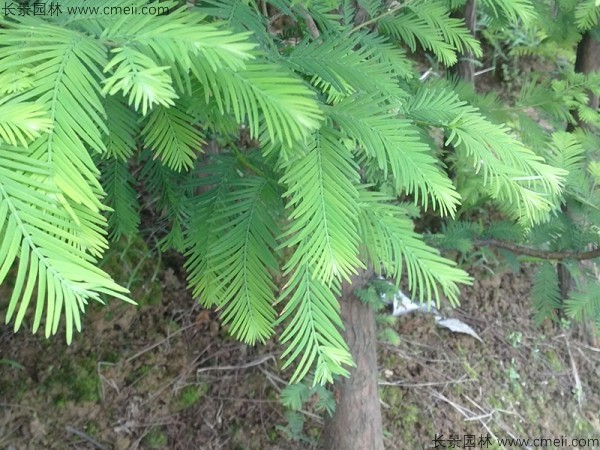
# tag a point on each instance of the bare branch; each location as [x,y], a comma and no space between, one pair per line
[310,23]
[537,253]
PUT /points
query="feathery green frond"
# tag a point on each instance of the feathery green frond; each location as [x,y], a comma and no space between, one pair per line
[385,51]
[171,193]
[513,174]
[508,231]
[241,16]
[312,334]
[21,122]
[324,13]
[263,94]
[434,106]
[545,293]
[200,232]
[346,67]
[547,231]
[429,23]
[38,231]
[510,10]
[243,258]
[172,137]
[296,120]
[15,81]
[531,134]
[539,94]
[567,153]
[388,237]
[587,14]
[65,68]
[370,6]
[124,219]
[395,143]
[585,304]
[456,235]
[171,41]
[453,30]
[137,75]
[412,29]
[594,170]
[294,396]
[181,36]
[122,127]
[322,202]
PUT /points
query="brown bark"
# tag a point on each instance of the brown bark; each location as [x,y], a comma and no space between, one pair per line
[464,68]
[586,62]
[546,254]
[356,423]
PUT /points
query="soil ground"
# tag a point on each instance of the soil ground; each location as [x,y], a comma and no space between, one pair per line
[164,375]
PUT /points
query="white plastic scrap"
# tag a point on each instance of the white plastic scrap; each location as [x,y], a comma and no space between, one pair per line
[403,305]
[457,326]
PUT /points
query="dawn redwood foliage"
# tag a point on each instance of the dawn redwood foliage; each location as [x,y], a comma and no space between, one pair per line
[325,138]
[549,65]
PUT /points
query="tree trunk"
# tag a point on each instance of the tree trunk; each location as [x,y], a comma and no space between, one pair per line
[464,68]
[356,423]
[586,62]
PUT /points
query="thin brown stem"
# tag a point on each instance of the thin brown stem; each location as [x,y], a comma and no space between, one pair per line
[389,12]
[310,23]
[537,253]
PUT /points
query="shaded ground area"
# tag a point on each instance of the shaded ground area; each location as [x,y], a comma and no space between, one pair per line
[522,381]
[166,376]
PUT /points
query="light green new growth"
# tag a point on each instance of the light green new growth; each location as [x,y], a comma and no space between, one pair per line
[269,231]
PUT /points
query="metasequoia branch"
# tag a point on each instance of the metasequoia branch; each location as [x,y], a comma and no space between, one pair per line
[545,254]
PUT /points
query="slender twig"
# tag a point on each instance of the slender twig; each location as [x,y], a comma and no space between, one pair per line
[480,417]
[310,23]
[177,379]
[544,254]
[389,12]
[588,347]
[578,386]
[247,164]
[463,410]
[87,438]
[14,405]
[401,383]
[313,416]
[243,400]
[156,344]
[256,362]
[272,376]
[481,72]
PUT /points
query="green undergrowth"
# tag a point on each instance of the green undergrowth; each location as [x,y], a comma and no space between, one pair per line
[135,266]
[191,395]
[156,438]
[72,380]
